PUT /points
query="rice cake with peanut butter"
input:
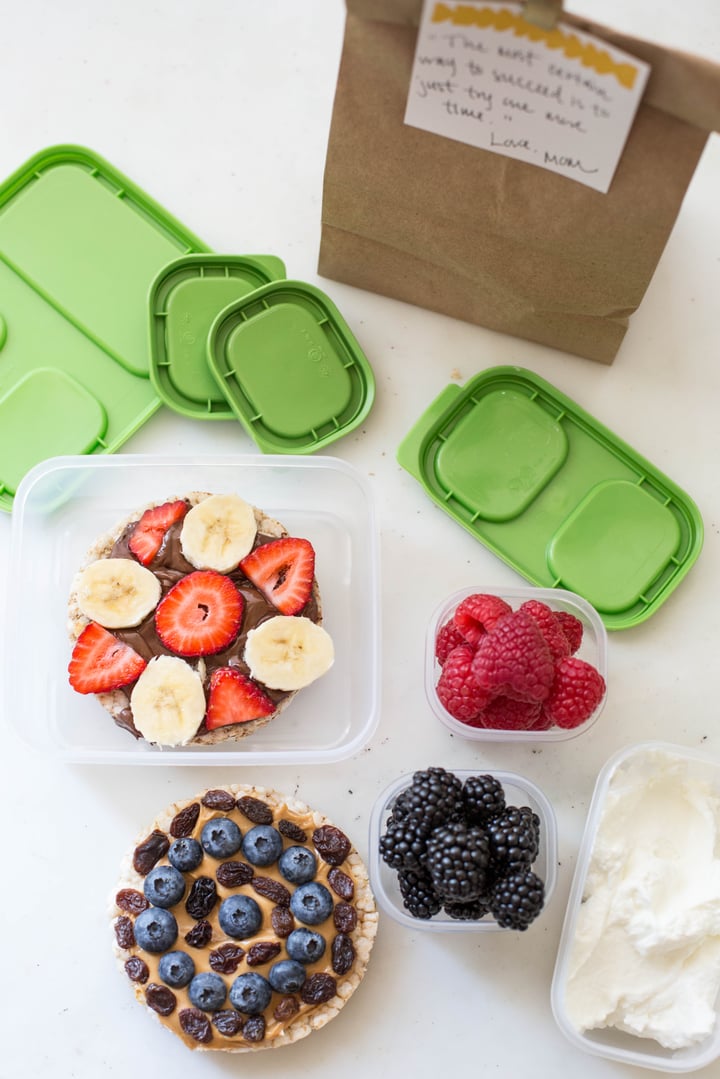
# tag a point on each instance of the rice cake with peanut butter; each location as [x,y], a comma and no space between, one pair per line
[243,920]
[196,620]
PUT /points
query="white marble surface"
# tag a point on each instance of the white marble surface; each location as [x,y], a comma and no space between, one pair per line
[220,110]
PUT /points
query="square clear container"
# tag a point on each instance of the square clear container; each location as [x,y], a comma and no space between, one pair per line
[519,792]
[609,1042]
[593,650]
[61,507]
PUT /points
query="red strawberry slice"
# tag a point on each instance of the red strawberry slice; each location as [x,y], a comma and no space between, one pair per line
[100,662]
[283,570]
[200,615]
[235,698]
[149,532]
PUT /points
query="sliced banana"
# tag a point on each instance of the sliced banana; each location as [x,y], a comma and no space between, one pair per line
[117,592]
[288,652]
[168,701]
[218,532]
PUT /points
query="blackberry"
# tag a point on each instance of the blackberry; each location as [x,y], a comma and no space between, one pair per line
[435,795]
[483,797]
[468,912]
[404,842]
[457,859]
[514,837]
[516,900]
[419,896]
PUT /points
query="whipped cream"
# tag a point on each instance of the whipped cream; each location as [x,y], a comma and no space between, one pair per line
[645,957]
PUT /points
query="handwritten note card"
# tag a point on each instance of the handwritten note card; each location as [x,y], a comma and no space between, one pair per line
[556,98]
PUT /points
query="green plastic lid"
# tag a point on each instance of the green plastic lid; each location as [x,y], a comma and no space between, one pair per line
[553,493]
[184,300]
[79,246]
[290,368]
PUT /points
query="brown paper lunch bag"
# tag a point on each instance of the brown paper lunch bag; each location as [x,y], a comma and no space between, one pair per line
[488,239]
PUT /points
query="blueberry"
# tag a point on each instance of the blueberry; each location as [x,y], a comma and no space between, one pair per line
[239,916]
[185,854]
[156,929]
[250,993]
[305,945]
[164,886]
[176,969]
[311,903]
[221,837]
[207,992]
[262,845]
[298,865]
[287,976]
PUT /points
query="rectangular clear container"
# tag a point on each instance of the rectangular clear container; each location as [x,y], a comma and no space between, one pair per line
[609,1042]
[519,791]
[593,650]
[65,503]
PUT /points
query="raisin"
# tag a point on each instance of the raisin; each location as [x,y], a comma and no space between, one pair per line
[199,935]
[195,1024]
[218,800]
[341,884]
[254,1028]
[286,1008]
[233,874]
[202,898]
[282,921]
[183,822]
[262,952]
[160,999]
[225,959]
[344,917]
[255,810]
[272,889]
[124,932]
[318,989]
[137,969]
[132,901]
[291,830]
[343,953]
[228,1022]
[149,852]
[332,845]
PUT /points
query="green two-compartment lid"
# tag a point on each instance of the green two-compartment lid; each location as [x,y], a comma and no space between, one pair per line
[554,493]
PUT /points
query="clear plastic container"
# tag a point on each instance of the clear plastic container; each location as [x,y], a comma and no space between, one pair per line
[518,791]
[610,1042]
[65,503]
[593,650]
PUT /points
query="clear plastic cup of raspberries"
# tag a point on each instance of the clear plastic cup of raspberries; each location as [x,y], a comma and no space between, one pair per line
[524,664]
[461,850]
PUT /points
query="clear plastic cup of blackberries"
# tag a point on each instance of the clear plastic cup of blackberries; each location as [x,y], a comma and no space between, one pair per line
[516,664]
[461,850]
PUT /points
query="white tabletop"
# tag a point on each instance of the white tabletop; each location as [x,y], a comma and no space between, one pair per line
[220,110]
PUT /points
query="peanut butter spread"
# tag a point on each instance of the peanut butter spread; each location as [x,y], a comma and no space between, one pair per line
[348,930]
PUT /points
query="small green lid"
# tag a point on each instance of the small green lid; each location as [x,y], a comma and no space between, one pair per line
[184,300]
[290,368]
[553,493]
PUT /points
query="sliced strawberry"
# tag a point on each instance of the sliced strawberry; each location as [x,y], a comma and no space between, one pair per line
[100,662]
[283,570]
[200,615]
[149,532]
[234,698]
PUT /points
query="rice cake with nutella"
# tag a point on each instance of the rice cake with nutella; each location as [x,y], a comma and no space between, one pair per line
[246,849]
[196,620]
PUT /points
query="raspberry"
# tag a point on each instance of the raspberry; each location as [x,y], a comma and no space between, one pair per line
[576,692]
[448,637]
[572,627]
[514,659]
[506,714]
[478,614]
[549,626]
[457,689]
